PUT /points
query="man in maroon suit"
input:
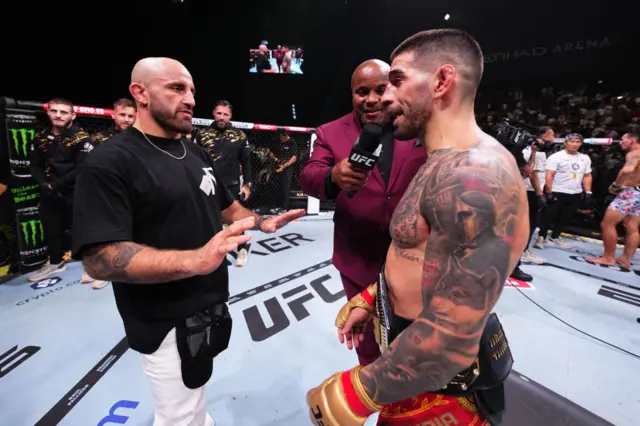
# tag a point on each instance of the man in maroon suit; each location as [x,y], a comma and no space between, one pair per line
[361,233]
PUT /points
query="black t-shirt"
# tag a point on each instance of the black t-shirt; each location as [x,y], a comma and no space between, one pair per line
[284,151]
[262,63]
[129,190]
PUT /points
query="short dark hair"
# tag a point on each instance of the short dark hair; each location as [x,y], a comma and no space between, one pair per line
[125,103]
[544,129]
[223,103]
[634,134]
[447,46]
[62,101]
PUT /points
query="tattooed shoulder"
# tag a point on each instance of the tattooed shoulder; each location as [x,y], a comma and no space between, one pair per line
[470,191]
[474,202]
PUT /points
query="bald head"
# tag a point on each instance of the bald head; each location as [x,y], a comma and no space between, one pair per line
[163,89]
[368,83]
[372,67]
[147,69]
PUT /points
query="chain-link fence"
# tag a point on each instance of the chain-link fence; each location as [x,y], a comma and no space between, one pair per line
[275,188]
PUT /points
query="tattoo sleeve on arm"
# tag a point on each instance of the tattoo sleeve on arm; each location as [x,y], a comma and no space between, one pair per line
[133,263]
[472,202]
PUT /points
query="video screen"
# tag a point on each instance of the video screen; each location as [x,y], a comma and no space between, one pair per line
[270,58]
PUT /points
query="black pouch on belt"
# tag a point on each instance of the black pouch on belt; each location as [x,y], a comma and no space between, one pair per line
[200,338]
[496,362]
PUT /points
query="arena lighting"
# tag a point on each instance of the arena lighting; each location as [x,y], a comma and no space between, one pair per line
[446,17]
[619,97]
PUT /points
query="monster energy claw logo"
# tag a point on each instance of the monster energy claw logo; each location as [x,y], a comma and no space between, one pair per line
[32,230]
[21,139]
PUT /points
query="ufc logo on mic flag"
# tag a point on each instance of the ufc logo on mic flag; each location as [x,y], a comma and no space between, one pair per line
[361,159]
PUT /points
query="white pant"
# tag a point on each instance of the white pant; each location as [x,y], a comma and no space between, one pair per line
[176,404]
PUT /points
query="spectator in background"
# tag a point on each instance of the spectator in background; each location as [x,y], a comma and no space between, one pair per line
[56,155]
[229,149]
[286,154]
[535,185]
[124,115]
[568,172]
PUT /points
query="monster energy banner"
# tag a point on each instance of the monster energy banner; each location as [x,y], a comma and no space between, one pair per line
[21,130]
[30,236]
[27,195]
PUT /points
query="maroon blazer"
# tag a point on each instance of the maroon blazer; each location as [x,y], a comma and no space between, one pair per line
[361,233]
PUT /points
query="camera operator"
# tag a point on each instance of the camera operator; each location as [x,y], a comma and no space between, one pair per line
[519,140]
[568,173]
[535,184]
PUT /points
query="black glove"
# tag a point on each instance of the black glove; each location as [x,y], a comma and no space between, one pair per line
[588,201]
[551,198]
[542,201]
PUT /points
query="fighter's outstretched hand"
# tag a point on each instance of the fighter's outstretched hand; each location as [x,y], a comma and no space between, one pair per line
[210,256]
[352,332]
[274,223]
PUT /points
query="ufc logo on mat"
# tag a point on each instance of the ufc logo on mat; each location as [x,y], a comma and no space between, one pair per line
[295,301]
[12,359]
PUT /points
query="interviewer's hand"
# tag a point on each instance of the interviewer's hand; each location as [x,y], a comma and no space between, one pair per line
[209,257]
[348,178]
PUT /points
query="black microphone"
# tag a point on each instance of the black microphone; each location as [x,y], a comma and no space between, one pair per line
[362,154]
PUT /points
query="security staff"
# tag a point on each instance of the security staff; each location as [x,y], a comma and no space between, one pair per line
[56,155]
[229,149]
[286,153]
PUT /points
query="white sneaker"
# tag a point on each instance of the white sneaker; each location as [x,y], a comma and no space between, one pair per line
[539,243]
[243,258]
[559,242]
[46,271]
[86,279]
[98,284]
[529,256]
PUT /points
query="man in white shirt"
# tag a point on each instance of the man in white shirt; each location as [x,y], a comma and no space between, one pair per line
[568,173]
[535,186]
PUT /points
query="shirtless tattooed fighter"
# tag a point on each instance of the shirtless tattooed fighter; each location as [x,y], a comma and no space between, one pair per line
[626,206]
[457,234]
